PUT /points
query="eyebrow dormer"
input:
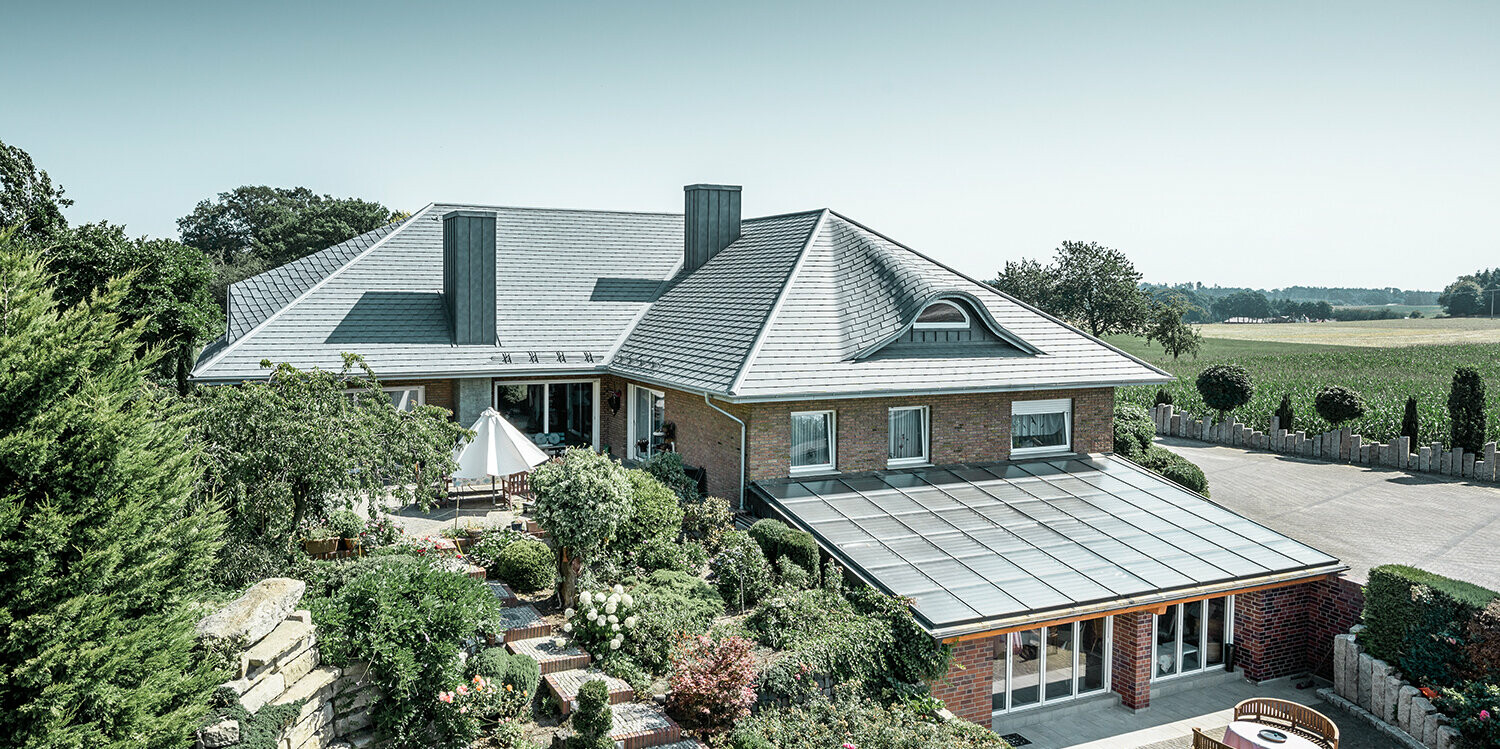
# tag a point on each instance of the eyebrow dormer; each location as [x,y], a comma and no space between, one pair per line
[952,323]
[942,315]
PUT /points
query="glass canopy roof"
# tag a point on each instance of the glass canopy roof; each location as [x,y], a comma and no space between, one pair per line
[978,542]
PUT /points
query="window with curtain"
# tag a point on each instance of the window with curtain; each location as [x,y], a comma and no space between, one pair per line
[812,441]
[1041,426]
[908,436]
[648,411]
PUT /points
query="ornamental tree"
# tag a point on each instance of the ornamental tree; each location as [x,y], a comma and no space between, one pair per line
[1339,404]
[1466,403]
[581,501]
[1225,387]
[103,547]
[1410,425]
[713,682]
[1286,418]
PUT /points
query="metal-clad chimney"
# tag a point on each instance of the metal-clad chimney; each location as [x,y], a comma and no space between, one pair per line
[711,222]
[469,275]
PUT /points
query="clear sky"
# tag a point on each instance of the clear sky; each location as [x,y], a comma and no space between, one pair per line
[1250,143]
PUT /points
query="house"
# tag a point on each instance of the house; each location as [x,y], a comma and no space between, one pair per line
[942,440]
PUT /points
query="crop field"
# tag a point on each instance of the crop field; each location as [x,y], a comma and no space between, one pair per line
[1385,376]
[1370,333]
[1427,310]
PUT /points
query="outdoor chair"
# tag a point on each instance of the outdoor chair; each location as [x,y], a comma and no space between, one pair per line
[1202,740]
[1290,716]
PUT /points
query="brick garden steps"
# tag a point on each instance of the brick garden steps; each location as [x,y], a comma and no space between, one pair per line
[521,623]
[549,655]
[684,744]
[564,686]
[502,593]
[640,726]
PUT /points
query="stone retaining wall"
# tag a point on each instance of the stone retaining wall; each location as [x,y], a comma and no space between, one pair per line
[273,650]
[1338,445]
[1377,688]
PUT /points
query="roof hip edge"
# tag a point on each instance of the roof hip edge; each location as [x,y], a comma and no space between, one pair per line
[791,277]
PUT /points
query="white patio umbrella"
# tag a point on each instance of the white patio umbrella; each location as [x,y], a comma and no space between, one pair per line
[496,451]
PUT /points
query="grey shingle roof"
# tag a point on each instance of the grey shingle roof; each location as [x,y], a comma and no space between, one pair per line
[799,306]
[569,284]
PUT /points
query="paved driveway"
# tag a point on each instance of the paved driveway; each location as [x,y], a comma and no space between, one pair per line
[1364,516]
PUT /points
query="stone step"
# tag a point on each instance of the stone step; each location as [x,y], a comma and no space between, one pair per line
[639,725]
[502,593]
[475,571]
[553,654]
[521,623]
[288,639]
[684,744]
[564,686]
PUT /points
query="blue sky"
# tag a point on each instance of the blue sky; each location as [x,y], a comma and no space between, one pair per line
[1265,144]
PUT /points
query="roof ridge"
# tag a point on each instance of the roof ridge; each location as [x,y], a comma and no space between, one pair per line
[781,294]
[554,209]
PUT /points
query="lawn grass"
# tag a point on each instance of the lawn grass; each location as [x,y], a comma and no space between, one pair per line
[1370,333]
[1384,376]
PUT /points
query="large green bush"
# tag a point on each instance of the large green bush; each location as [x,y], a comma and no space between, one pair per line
[1466,401]
[655,513]
[520,672]
[408,617]
[1174,468]
[1408,611]
[706,521]
[777,540]
[673,606]
[485,552]
[581,501]
[668,469]
[527,566]
[864,723]
[741,571]
[1134,430]
[103,546]
[1475,710]
[1225,387]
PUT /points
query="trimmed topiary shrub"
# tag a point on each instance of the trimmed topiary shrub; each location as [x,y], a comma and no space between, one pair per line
[777,540]
[1286,418]
[593,720]
[1410,424]
[1225,387]
[521,672]
[1163,397]
[1397,598]
[1134,430]
[741,571]
[655,513]
[527,566]
[1466,410]
[1174,468]
[1339,404]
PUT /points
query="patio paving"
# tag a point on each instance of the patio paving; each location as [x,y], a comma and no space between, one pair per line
[1204,702]
[1364,515]
[471,512]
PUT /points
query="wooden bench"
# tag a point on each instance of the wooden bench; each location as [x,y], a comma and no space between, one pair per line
[1290,716]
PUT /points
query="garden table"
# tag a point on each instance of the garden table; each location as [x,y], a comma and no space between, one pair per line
[1244,734]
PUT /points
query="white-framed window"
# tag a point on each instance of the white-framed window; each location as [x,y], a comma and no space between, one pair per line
[814,448]
[1051,664]
[1191,637]
[942,315]
[404,397]
[1038,427]
[648,413]
[908,436]
[554,413]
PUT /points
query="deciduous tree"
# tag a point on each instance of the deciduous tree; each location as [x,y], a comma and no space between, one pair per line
[1165,325]
[29,202]
[1087,283]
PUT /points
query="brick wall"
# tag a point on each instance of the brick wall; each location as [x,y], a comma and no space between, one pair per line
[705,437]
[439,392]
[1271,631]
[966,428]
[1333,606]
[966,688]
[1130,661]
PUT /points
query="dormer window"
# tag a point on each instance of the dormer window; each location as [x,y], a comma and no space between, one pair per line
[942,316]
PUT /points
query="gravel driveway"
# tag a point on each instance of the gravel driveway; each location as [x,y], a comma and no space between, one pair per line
[1365,516]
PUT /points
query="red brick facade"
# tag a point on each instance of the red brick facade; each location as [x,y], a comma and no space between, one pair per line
[966,689]
[437,392]
[1333,606]
[1130,662]
[967,428]
[1288,631]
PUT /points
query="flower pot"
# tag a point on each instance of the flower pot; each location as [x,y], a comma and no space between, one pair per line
[318,546]
[350,543]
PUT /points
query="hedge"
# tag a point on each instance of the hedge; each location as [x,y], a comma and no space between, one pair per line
[1134,430]
[1174,468]
[1394,618]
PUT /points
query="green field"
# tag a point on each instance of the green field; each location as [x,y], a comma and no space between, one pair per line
[1385,376]
[1427,310]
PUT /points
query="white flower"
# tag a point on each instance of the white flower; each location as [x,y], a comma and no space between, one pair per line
[614,598]
[612,619]
[619,588]
[609,608]
[615,644]
[614,627]
[584,598]
[568,627]
[627,600]
[569,614]
[592,615]
[631,620]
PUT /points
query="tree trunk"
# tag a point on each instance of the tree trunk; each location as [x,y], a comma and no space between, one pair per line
[568,568]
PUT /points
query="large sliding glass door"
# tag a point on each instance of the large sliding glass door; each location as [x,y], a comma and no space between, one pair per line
[554,414]
[1050,664]
[1190,637]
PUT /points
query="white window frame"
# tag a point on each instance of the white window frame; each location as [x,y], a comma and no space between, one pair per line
[421,391]
[833,443]
[1203,664]
[921,460]
[547,397]
[944,325]
[1054,405]
[1109,651]
[630,421]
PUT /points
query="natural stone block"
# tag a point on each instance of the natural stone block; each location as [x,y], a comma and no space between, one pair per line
[1403,706]
[1421,713]
[351,723]
[283,643]
[1468,465]
[1378,671]
[264,691]
[1393,684]
[223,733]
[1424,458]
[317,683]
[1341,645]
[252,616]
[1430,730]
[1366,664]
[1447,737]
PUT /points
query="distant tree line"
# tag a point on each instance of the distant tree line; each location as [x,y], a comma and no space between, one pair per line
[176,287]
[1473,294]
[1335,295]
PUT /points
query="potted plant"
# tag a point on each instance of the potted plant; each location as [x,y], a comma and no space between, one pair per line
[345,524]
[318,539]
